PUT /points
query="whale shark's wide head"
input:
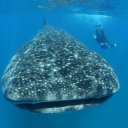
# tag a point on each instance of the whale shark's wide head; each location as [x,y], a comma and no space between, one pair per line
[54,72]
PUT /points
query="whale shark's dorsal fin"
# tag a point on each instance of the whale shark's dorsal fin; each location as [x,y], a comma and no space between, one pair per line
[44,21]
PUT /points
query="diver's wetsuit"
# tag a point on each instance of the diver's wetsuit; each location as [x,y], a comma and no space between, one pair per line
[101,38]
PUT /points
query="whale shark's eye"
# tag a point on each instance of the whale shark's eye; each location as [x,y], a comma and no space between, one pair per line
[54,73]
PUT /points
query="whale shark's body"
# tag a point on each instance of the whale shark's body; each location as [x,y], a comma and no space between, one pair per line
[54,72]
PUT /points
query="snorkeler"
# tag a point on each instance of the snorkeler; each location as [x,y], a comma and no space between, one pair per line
[101,38]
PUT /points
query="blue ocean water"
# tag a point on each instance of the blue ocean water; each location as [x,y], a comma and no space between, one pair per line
[19,23]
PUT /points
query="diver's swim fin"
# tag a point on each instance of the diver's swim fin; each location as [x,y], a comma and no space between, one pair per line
[113,45]
[95,37]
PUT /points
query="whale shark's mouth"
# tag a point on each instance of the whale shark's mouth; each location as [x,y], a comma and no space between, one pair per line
[59,104]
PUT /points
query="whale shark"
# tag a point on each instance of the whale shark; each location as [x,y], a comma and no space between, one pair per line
[54,72]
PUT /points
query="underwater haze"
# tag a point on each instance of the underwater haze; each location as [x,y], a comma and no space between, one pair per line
[21,20]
